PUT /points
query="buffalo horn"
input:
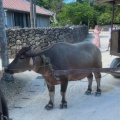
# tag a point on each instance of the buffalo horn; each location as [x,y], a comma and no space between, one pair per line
[31,53]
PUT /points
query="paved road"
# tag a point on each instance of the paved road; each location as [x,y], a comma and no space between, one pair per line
[29,103]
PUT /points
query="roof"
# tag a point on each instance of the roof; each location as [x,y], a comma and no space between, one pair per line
[24,6]
[116,1]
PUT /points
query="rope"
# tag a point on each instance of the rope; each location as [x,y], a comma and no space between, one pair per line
[58,72]
[75,71]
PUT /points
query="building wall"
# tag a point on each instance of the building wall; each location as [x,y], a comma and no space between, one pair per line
[40,38]
[42,20]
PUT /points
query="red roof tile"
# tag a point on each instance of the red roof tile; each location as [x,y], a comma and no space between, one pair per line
[23,5]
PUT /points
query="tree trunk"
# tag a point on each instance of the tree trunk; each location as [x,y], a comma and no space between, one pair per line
[3,43]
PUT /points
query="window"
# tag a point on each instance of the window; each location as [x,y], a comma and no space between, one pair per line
[21,19]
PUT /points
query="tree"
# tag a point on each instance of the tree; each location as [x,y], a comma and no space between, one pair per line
[104,13]
[104,19]
[80,13]
[44,3]
[53,5]
[80,1]
[3,43]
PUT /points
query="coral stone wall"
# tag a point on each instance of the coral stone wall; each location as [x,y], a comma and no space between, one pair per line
[40,38]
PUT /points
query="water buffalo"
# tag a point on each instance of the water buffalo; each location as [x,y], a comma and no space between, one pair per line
[61,56]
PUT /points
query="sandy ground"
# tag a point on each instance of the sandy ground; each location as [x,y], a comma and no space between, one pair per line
[30,96]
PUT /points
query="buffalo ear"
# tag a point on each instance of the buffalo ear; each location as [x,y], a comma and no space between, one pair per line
[31,53]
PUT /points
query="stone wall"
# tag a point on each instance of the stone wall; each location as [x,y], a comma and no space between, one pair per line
[40,38]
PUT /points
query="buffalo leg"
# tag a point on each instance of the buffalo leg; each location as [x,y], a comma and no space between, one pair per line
[98,80]
[50,104]
[90,80]
[63,94]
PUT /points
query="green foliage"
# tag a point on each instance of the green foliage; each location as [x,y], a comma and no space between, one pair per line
[76,13]
[80,12]
[54,24]
[104,13]
[80,1]
[104,18]
[118,18]
[54,5]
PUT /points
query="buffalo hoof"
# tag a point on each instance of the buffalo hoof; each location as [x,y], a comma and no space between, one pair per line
[88,92]
[63,105]
[49,106]
[98,93]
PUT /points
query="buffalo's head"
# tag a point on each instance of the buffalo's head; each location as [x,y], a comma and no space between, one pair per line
[23,61]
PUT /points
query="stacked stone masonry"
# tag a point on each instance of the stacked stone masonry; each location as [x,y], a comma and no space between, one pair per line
[40,38]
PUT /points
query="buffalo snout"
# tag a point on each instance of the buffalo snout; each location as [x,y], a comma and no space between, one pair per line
[6,70]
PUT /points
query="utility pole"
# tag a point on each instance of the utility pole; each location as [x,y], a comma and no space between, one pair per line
[35,21]
[3,37]
[3,43]
[31,14]
[88,18]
